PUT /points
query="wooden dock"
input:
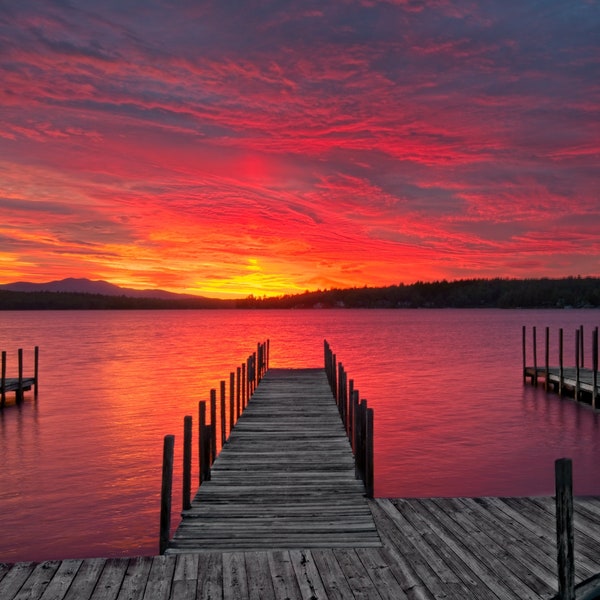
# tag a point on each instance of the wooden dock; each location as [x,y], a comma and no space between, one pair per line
[435,548]
[284,479]
[577,381]
[19,384]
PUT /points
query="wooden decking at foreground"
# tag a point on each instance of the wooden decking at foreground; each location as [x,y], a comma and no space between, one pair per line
[452,548]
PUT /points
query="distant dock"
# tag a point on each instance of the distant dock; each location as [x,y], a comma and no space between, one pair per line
[577,381]
[20,384]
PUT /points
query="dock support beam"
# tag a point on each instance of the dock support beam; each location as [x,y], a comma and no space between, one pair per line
[564,529]
[166,492]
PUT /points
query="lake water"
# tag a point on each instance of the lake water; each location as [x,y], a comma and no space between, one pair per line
[81,466]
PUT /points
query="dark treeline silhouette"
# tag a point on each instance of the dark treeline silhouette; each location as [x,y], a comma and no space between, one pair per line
[575,292]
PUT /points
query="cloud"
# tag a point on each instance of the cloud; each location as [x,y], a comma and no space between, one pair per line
[339,143]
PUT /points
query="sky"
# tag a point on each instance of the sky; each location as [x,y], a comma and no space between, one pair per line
[228,148]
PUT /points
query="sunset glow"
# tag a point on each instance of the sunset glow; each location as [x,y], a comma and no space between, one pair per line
[228,149]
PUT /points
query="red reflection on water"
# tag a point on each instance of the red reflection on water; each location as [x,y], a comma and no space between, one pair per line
[81,470]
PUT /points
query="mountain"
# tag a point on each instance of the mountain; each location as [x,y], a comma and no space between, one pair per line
[86,286]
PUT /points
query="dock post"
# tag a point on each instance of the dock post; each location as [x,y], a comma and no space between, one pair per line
[595,368]
[222,404]
[203,459]
[355,423]
[350,424]
[547,357]
[369,475]
[577,359]
[524,352]
[268,352]
[581,344]
[187,463]
[3,380]
[36,363]
[564,529]
[245,398]
[561,370]
[165,493]
[231,403]
[238,395]
[213,426]
[535,373]
[20,393]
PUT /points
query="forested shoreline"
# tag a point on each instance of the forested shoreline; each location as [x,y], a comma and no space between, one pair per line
[570,292]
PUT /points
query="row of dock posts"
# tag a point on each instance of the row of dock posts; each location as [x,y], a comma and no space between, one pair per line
[213,433]
[356,416]
[580,378]
[20,383]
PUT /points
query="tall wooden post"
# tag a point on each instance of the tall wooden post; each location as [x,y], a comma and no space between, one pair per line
[213,426]
[187,463]
[564,529]
[231,404]
[238,393]
[369,458]
[20,393]
[595,368]
[202,458]
[581,344]
[577,359]
[3,380]
[534,379]
[547,357]
[166,493]
[223,413]
[36,363]
[245,398]
[561,369]
[524,352]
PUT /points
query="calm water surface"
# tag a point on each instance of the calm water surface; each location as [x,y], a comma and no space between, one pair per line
[80,473]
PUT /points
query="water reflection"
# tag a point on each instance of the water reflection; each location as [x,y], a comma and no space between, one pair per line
[81,474]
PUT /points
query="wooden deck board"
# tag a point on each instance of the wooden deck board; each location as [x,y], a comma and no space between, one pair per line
[434,548]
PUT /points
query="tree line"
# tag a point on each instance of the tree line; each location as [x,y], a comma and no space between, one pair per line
[575,292]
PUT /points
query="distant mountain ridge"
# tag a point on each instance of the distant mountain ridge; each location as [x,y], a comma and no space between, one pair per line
[87,286]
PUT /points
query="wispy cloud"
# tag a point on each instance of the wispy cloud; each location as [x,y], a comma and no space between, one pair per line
[279,146]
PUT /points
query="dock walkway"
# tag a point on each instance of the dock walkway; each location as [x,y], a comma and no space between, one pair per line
[284,479]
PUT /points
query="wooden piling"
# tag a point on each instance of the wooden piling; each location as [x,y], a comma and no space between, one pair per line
[243,386]
[36,363]
[213,426]
[524,352]
[166,492]
[595,369]
[369,462]
[564,529]
[581,344]
[3,381]
[223,408]
[547,361]
[202,455]
[238,392]
[561,368]
[535,379]
[577,369]
[231,403]
[20,393]
[187,463]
